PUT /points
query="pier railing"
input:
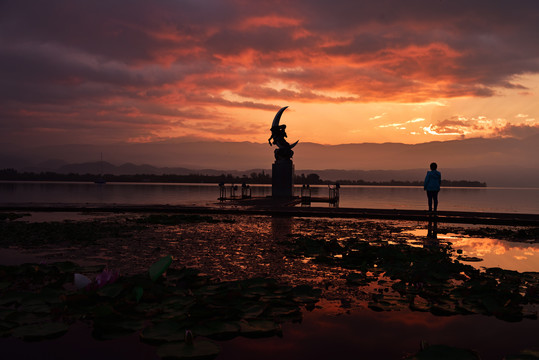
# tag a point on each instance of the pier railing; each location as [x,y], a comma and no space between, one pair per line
[306,195]
[334,194]
[232,190]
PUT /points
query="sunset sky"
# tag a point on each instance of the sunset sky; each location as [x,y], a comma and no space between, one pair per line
[350,71]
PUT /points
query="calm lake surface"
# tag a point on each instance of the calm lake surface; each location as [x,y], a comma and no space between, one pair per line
[507,200]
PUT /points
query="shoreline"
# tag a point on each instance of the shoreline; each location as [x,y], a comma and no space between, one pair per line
[271,208]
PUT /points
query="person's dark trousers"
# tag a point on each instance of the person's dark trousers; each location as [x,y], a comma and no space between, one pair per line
[433,197]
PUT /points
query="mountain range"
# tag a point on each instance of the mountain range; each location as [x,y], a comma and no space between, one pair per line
[496,161]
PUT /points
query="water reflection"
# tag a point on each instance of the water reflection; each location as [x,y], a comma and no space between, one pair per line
[381,335]
[499,253]
[486,252]
[281,227]
[432,227]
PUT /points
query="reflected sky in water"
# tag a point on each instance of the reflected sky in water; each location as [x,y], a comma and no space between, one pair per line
[365,334]
[509,255]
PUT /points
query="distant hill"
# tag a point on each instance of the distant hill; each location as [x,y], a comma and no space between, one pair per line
[496,161]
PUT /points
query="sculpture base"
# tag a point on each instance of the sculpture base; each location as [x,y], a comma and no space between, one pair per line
[282,179]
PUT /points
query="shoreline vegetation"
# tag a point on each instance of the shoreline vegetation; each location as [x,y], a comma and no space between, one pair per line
[253,178]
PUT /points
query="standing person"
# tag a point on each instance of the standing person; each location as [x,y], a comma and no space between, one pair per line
[432,185]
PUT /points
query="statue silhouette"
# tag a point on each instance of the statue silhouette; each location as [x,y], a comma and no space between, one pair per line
[278,135]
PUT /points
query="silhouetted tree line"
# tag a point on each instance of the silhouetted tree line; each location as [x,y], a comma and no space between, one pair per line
[253,178]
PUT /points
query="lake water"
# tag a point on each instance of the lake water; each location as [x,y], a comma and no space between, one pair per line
[507,200]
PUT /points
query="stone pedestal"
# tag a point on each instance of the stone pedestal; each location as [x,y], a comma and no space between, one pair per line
[282,179]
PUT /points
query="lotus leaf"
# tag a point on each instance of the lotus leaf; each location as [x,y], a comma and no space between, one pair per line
[159,267]
[306,294]
[25,318]
[284,311]
[259,328]
[166,331]
[185,300]
[253,311]
[6,326]
[35,307]
[443,352]
[524,355]
[40,331]
[5,313]
[111,290]
[199,350]
[13,298]
[138,291]
[218,329]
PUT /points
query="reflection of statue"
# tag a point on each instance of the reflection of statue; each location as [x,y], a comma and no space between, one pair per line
[278,134]
[281,227]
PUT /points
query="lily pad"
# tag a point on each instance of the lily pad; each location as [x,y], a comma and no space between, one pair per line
[524,355]
[138,291]
[40,331]
[12,298]
[184,300]
[198,350]
[253,311]
[111,290]
[219,329]
[259,328]
[35,307]
[306,294]
[5,313]
[444,352]
[159,267]
[102,310]
[166,331]
[27,318]
[284,311]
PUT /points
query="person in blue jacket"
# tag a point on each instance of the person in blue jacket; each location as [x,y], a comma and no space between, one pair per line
[432,185]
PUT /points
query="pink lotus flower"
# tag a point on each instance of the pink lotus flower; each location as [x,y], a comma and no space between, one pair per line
[106,277]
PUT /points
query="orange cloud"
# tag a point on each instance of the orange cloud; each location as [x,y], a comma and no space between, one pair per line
[272,20]
[153,64]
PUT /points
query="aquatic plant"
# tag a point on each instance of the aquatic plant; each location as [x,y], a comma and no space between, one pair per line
[175,309]
[441,352]
[425,278]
